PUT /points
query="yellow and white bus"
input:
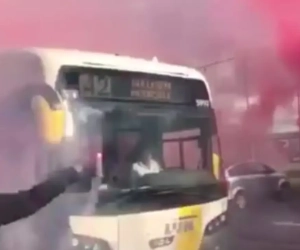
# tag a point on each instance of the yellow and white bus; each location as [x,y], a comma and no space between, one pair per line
[103,108]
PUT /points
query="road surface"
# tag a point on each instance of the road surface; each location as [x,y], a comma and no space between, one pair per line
[270,225]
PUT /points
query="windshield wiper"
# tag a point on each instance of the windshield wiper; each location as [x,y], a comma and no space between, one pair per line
[150,198]
[148,192]
[132,194]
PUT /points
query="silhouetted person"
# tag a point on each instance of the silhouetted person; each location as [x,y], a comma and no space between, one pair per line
[15,206]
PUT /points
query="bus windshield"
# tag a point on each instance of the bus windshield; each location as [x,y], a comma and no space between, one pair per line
[149,135]
[134,141]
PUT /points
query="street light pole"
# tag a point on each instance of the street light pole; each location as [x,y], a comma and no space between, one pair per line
[247,94]
[298,118]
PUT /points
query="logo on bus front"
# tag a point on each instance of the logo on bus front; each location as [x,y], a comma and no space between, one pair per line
[183,225]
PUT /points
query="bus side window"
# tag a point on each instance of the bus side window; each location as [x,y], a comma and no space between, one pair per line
[181,149]
[171,154]
[192,154]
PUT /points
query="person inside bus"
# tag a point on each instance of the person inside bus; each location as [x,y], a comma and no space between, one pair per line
[145,164]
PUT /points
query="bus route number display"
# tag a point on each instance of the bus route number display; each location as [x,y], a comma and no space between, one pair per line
[94,86]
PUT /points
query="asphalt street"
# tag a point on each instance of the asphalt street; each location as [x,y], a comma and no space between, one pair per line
[268,225]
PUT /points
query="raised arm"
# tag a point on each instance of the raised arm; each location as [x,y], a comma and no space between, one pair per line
[19,205]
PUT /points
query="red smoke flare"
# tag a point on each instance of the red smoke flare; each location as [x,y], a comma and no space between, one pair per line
[280,81]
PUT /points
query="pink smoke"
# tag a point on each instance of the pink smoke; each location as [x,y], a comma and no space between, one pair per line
[262,34]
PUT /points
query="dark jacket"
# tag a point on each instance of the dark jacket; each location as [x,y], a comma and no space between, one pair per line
[19,205]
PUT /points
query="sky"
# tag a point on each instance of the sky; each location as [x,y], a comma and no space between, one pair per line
[191,31]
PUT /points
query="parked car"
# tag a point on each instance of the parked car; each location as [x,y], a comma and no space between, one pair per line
[253,181]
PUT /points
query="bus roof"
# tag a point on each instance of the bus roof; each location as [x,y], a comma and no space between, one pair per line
[56,58]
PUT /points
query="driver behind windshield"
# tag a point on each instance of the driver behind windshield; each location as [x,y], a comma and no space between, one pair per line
[145,164]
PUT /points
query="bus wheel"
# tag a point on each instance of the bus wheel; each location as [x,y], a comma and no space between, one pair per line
[240,200]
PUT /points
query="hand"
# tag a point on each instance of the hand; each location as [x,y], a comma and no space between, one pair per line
[85,171]
[79,168]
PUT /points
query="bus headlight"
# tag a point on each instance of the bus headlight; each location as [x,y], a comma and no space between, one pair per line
[79,242]
[216,224]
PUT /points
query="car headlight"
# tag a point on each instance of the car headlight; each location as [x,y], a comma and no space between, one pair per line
[80,242]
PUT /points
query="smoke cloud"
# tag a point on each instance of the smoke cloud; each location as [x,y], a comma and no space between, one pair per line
[265,40]
[262,35]
[276,67]
[168,29]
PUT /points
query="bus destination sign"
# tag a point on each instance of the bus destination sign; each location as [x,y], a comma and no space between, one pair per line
[109,84]
[151,90]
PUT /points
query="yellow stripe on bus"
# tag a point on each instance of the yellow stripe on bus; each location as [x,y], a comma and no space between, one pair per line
[190,240]
[216,165]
